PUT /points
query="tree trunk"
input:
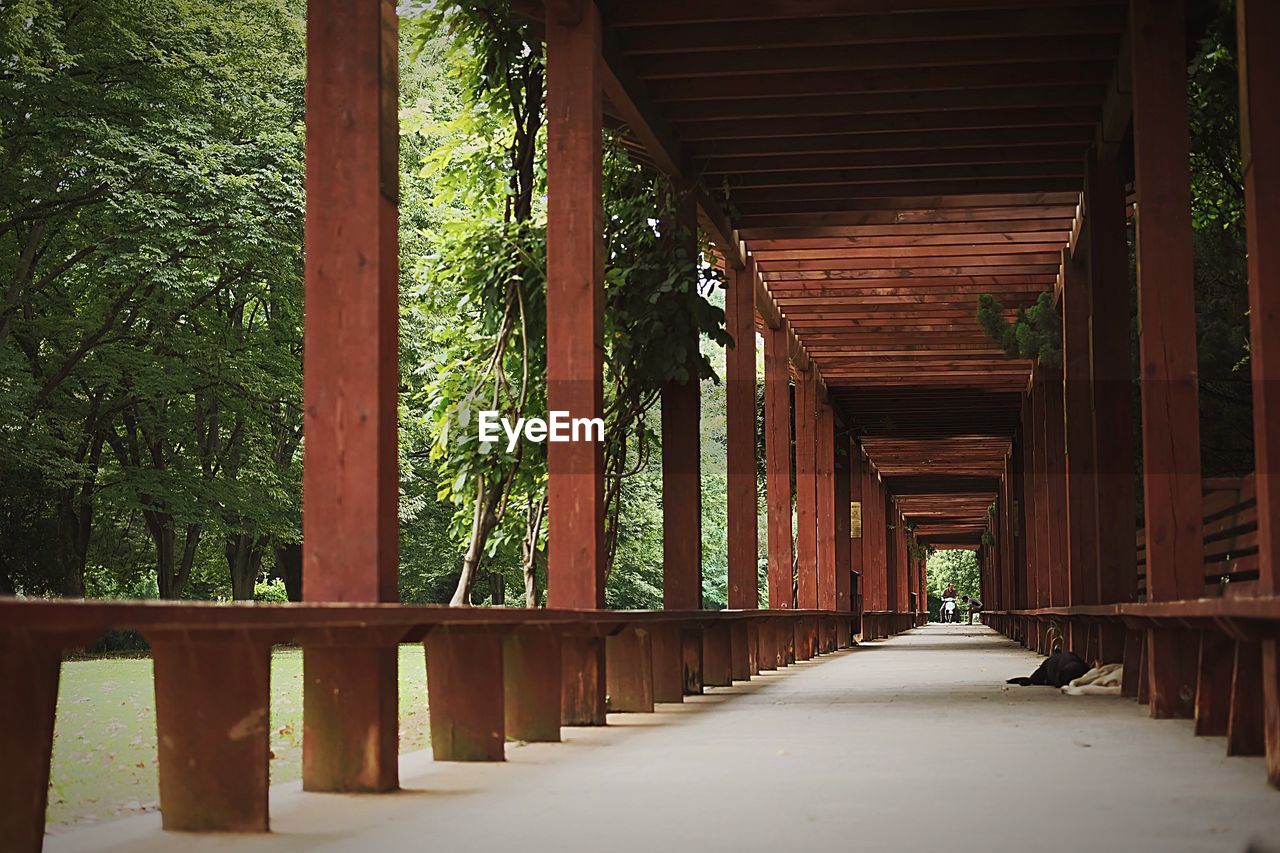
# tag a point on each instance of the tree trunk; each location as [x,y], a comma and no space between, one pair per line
[244,561]
[497,589]
[529,552]
[75,521]
[289,568]
[483,521]
[173,568]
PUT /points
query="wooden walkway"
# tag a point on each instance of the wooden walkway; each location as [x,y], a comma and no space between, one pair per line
[908,744]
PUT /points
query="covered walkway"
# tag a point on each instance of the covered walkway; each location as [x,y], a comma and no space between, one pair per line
[864,170]
[908,744]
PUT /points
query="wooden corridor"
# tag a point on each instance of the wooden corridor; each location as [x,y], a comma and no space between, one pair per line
[865,169]
[911,744]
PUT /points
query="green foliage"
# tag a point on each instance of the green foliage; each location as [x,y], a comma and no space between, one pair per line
[1036,332]
[150,233]
[956,567]
[270,590]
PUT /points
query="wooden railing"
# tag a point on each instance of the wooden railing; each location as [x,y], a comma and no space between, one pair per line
[492,674]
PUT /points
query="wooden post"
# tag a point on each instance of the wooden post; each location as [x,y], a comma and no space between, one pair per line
[1258,27]
[575,323]
[466,702]
[629,671]
[29,667]
[777,447]
[1030,511]
[1055,461]
[1108,259]
[350,475]
[668,663]
[875,589]
[825,505]
[531,660]
[717,654]
[740,427]
[806,429]
[1167,342]
[1081,461]
[844,477]
[213,729]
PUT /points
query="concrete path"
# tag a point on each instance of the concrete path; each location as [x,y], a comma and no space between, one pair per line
[910,744]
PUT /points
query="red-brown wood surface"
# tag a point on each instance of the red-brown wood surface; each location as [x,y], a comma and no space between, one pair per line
[575,307]
[825,505]
[740,427]
[1108,259]
[1258,27]
[777,425]
[351,375]
[1081,462]
[806,429]
[350,479]
[1167,338]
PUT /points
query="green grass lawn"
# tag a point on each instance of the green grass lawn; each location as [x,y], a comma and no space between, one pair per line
[104,743]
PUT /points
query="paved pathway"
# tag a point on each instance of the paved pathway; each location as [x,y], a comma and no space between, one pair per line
[913,743]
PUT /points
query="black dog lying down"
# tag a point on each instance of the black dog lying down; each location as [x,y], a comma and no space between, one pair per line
[1055,671]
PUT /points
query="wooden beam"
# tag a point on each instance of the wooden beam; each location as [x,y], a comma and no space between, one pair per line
[1167,341]
[853,29]
[1010,53]
[891,80]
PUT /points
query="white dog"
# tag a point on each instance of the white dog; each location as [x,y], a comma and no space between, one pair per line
[1102,680]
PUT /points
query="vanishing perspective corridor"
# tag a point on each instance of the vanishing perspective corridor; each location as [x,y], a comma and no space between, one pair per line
[913,743]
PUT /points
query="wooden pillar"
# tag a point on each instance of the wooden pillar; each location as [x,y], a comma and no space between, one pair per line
[1007,601]
[575,323]
[1055,461]
[350,475]
[777,427]
[740,427]
[575,306]
[1258,28]
[875,594]
[1167,342]
[825,481]
[892,524]
[681,469]
[1030,512]
[1040,486]
[1108,259]
[806,429]
[1081,462]
[844,478]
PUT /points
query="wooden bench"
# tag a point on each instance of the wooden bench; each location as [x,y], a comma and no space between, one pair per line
[492,674]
